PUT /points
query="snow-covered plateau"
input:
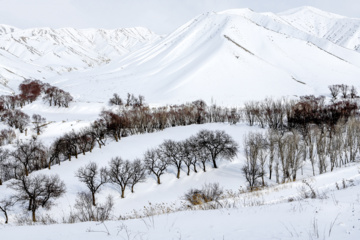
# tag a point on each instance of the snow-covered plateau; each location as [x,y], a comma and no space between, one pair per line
[224,58]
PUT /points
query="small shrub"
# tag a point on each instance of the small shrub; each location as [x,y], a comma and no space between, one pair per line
[86,211]
[211,192]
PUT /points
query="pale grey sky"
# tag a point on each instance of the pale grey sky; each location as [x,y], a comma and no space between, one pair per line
[161,16]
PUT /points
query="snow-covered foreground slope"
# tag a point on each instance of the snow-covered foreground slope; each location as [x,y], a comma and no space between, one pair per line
[309,219]
[265,214]
[228,57]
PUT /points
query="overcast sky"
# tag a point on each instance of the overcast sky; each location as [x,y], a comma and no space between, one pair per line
[161,16]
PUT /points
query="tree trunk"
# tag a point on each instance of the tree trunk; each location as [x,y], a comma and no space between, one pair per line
[122,192]
[195,168]
[214,163]
[93,197]
[6,217]
[30,202]
[178,173]
[158,180]
[188,172]
[132,188]
[33,215]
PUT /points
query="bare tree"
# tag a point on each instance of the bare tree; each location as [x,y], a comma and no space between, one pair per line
[86,211]
[120,173]
[353,92]
[171,150]
[5,205]
[39,191]
[155,163]
[138,173]
[218,144]
[27,155]
[39,122]
[92,177]
[116,100]
[252,170]
[187,153]
[344,90]
[334,90]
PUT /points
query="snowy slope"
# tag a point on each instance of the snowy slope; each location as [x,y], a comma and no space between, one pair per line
[42,52]
[338,29]
[230,57]
[268,208]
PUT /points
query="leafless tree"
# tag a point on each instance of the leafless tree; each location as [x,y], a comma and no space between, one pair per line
[38,191]
[28,155]
[7,136]
[86,211]
[171,150]
[5,205]
[120,172]
[353,92]
[92,177]
[252,170]
[138,173]
[39,122]
[156,163]
[344,90]
[116,100]
[334,90]
[218,144]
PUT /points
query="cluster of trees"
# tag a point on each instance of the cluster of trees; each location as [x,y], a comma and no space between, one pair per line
[56,96]
[30,90]
[344,90]
[131,100]
[24,159]
[7,136]
[206,146]
[287,114]
[121,173]
[285,153]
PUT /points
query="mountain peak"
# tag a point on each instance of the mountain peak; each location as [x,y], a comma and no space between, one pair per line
[309,10]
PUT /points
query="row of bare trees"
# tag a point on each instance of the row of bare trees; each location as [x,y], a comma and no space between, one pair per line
[206,146]
[287,114]
[285,153]
[24,159]
[344,90]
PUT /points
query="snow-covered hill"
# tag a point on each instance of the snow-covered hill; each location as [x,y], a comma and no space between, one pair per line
[338,29]
[227,57]
[230,57]
[42,52]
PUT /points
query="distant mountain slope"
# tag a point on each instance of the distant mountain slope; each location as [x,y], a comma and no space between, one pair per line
[338,29]
[43,52]
[228,57]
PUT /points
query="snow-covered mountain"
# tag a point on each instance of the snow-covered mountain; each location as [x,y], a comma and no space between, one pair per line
[338,29]
[41,52]
[230,57]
